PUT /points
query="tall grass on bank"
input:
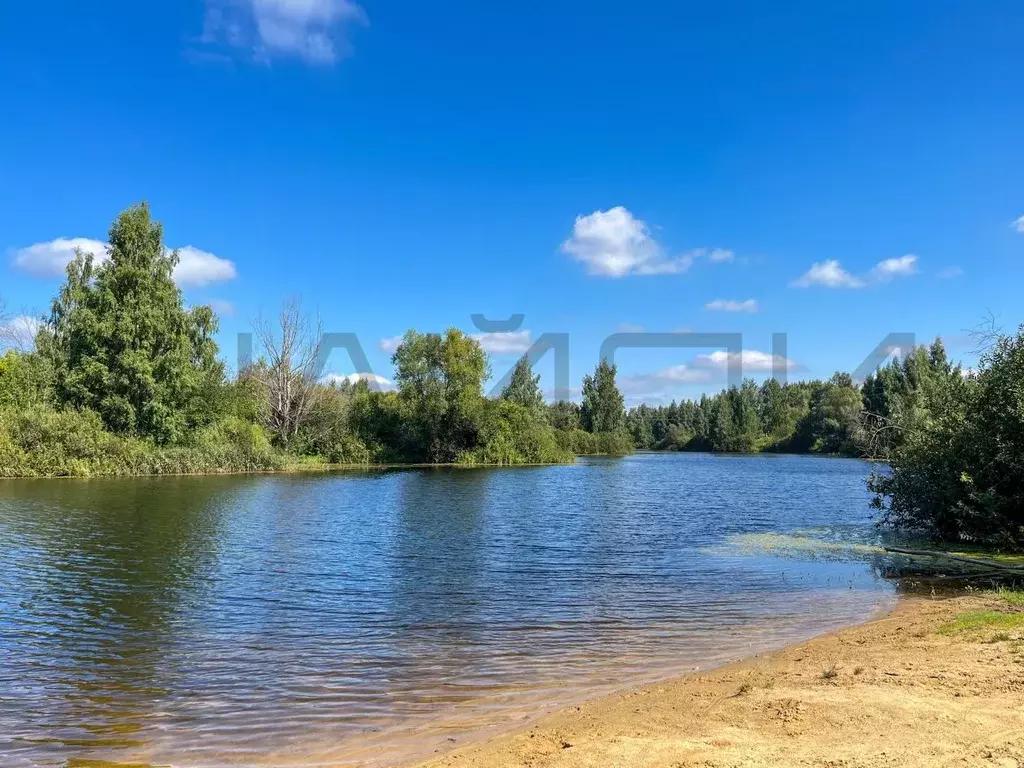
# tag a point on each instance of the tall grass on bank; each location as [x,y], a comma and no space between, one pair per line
[43,442]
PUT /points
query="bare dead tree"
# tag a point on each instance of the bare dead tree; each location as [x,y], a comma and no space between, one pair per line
[5,324]
[18,332]
[986,334]
[288,368]
[880,431]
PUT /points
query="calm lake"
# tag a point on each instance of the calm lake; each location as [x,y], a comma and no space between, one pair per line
[369,618]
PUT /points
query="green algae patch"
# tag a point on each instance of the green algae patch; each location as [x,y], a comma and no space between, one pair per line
[796,546]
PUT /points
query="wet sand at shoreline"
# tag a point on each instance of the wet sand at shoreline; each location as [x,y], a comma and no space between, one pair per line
[892,692]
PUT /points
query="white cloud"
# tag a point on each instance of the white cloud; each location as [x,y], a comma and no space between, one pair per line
[375,381]
[504,342]
[629,328]
[829,274]
[703,369]
[196,268]
[751,360]
[901,266]
[51,258]
[312,30]
[390,344]
[1018,225]
[950,272]
[665,379]
[20,332]
[727,305]
[613,243]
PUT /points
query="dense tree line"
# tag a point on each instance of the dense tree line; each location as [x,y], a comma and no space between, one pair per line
[124,379]
[828,417]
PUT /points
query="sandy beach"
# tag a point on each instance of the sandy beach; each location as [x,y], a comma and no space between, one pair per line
[936,682]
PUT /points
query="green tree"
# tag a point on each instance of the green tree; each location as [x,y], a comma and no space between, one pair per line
[564,415]
[440,381]
[603,408]
[121,343]
[958,475]
[524,387]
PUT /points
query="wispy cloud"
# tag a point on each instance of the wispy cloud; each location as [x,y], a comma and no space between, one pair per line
[311,30]
[830,273]
[751,360]
[947,273]
[703,369]
[1018,225]
[221,307]
[389,344]
[506,342]
[901,266]
[727,305]
[614,243]
[629,328]
[196,268]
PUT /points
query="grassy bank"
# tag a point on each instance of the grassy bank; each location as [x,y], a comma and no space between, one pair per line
[41,442]
[935,683]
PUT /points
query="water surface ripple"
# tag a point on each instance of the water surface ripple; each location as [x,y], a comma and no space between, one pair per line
[366,618]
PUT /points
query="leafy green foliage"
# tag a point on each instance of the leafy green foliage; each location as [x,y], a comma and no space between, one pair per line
[440,383]
[26,379]
[564,415]
[800,417]
[511,433]
[126,380]
[43,442]
[603,408]
[524,387]
[121,343]
[957,469]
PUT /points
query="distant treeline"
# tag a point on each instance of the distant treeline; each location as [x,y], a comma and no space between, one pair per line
[828,417]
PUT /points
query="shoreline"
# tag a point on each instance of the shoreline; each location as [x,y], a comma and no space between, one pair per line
[891,691]
[297,470]
[313,468]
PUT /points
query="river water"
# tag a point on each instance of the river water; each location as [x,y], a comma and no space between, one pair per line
[371,618]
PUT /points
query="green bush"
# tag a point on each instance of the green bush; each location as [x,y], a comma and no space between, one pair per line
[25,380]
[618,443]
[577,441]
[959,474]
[511,433]
[43,442]
[349,449]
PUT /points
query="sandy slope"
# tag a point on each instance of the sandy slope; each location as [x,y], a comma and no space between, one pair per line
[903,695]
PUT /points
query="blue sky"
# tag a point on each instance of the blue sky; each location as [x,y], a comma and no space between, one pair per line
[836,172]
